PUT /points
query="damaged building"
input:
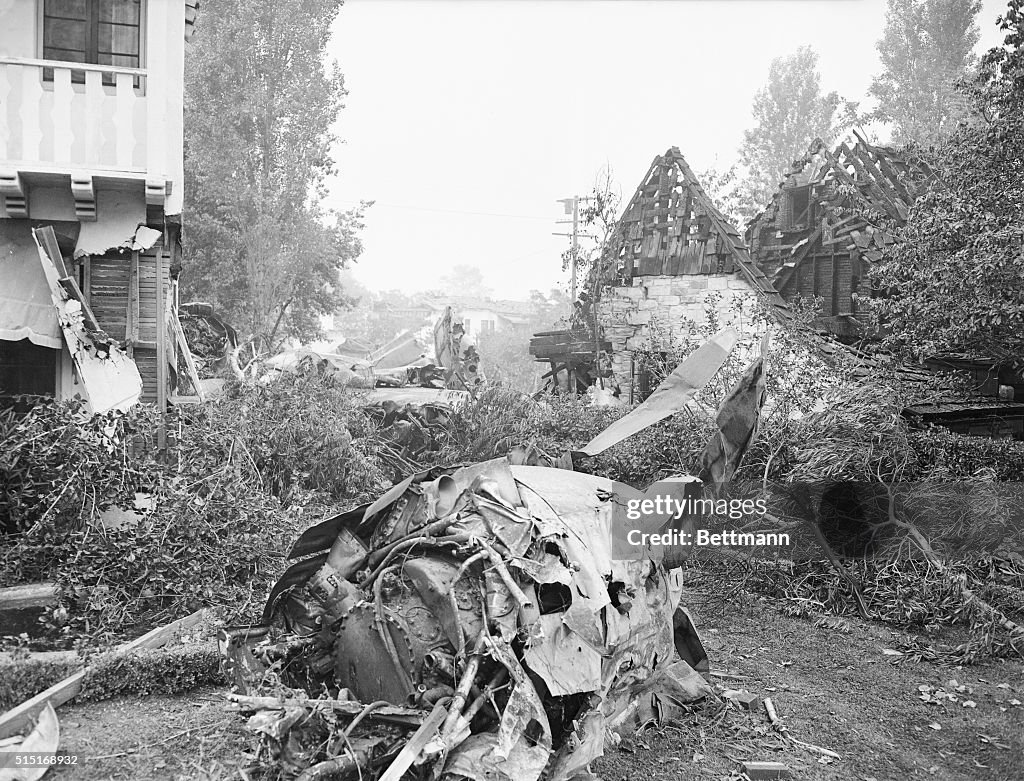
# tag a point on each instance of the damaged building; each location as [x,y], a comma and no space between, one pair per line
[91,188]
[818,237]
[674,259]
[674,256]
[813,240]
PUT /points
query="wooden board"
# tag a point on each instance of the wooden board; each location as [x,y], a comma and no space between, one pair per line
[190,364]
[28,595]
[17,718]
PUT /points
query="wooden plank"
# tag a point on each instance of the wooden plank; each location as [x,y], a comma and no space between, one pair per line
[28,595]
[190,364]
[427,732]
[161,353]
[17,718]
[132,308]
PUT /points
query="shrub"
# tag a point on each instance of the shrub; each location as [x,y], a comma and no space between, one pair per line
[215,527]
[299,432]
[953,456]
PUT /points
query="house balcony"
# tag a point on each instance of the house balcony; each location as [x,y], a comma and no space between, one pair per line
[80,122]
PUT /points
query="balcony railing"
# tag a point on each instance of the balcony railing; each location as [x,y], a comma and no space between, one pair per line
[72,119]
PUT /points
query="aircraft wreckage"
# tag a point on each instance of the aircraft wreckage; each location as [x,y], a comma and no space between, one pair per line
[480,622]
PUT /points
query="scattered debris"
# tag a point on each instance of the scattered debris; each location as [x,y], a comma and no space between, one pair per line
[212,340]
[110,379]
[485,596]
[756,771]
[41,741]
[743,698]
[783,730]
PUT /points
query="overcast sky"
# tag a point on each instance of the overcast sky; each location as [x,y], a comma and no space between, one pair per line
[467,120]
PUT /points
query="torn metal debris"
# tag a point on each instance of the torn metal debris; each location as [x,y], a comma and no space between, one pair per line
[40,744]
[486,600]
[110,379]
[488,608]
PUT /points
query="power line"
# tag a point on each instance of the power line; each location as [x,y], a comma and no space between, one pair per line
[442,211]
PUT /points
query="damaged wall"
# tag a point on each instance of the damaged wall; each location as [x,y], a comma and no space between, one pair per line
[676,255]
[655,311]
[100,159]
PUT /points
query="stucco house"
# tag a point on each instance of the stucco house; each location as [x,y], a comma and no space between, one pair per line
[91,146]
[482,315]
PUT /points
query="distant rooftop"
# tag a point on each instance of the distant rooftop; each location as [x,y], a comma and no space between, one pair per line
[505,307]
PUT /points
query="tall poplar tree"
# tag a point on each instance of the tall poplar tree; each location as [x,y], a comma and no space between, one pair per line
[259,106]
[926,47]
[790,111]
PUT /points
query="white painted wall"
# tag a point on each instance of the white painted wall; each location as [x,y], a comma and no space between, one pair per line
[129,135]
[64,127]
[476,318]
[18,26]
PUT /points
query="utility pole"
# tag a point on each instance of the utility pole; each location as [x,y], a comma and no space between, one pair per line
[572,206]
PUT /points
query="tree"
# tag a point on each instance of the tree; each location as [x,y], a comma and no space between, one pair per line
[505,353]
[259,105]
[789,112]
[551,309]
[927,45]
[730,193]
[595,255]
[464,280]
[953,276]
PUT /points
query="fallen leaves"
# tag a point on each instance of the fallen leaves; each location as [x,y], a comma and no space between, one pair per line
[937,695]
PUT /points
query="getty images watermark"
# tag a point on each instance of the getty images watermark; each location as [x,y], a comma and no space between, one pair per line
[681,515]
[856,519]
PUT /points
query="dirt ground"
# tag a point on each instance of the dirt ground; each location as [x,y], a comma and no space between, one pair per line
[834,689]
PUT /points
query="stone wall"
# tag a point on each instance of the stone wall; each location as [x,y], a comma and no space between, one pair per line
[668,302]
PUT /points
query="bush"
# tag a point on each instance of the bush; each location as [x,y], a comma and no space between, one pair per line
[172,670]
[953,456]
[299,432]
[500,418]
[215,527]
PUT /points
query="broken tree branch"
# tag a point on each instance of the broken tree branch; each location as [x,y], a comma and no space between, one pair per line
[783,730]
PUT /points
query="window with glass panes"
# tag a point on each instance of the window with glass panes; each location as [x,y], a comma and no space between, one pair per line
[98,32]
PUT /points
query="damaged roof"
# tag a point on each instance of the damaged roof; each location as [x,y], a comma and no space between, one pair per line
[845,184]
[504,307]
[671,226]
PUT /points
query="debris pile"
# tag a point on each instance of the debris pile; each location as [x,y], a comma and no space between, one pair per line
[471,621]
[410,430]
[212,340]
